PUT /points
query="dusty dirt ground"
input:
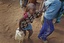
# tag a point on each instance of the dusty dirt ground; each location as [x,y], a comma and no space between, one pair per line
[10,13]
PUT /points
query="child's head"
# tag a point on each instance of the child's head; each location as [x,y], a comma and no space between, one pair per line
[31,8]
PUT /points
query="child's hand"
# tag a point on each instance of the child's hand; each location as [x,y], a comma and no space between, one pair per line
[38,14]
[39,11]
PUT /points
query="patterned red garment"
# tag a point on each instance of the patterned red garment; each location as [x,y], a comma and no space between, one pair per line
[28,18]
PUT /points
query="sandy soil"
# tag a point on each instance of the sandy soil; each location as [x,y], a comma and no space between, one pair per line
[10,13]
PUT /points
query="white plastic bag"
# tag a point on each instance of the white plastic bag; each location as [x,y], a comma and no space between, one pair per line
[19,35]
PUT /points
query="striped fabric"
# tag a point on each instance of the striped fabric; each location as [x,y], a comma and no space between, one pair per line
[28,18]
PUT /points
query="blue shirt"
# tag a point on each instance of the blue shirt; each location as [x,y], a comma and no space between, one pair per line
[53,8]
[48,2]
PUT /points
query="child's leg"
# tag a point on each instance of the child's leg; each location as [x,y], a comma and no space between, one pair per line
[25,3]
[25,32]
[21,3]
[30,33]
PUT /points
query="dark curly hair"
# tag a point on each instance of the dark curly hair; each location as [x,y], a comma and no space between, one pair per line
[30,6]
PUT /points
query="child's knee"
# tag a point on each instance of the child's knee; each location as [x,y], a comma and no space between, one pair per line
[25,32]
[30,31]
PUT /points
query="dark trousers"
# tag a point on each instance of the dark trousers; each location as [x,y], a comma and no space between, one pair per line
[46,30]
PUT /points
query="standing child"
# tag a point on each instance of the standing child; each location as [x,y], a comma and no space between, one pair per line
[53,7]
[27,19]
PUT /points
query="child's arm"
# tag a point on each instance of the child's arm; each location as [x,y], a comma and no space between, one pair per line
[41,10]
[38,14]
[20,23]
